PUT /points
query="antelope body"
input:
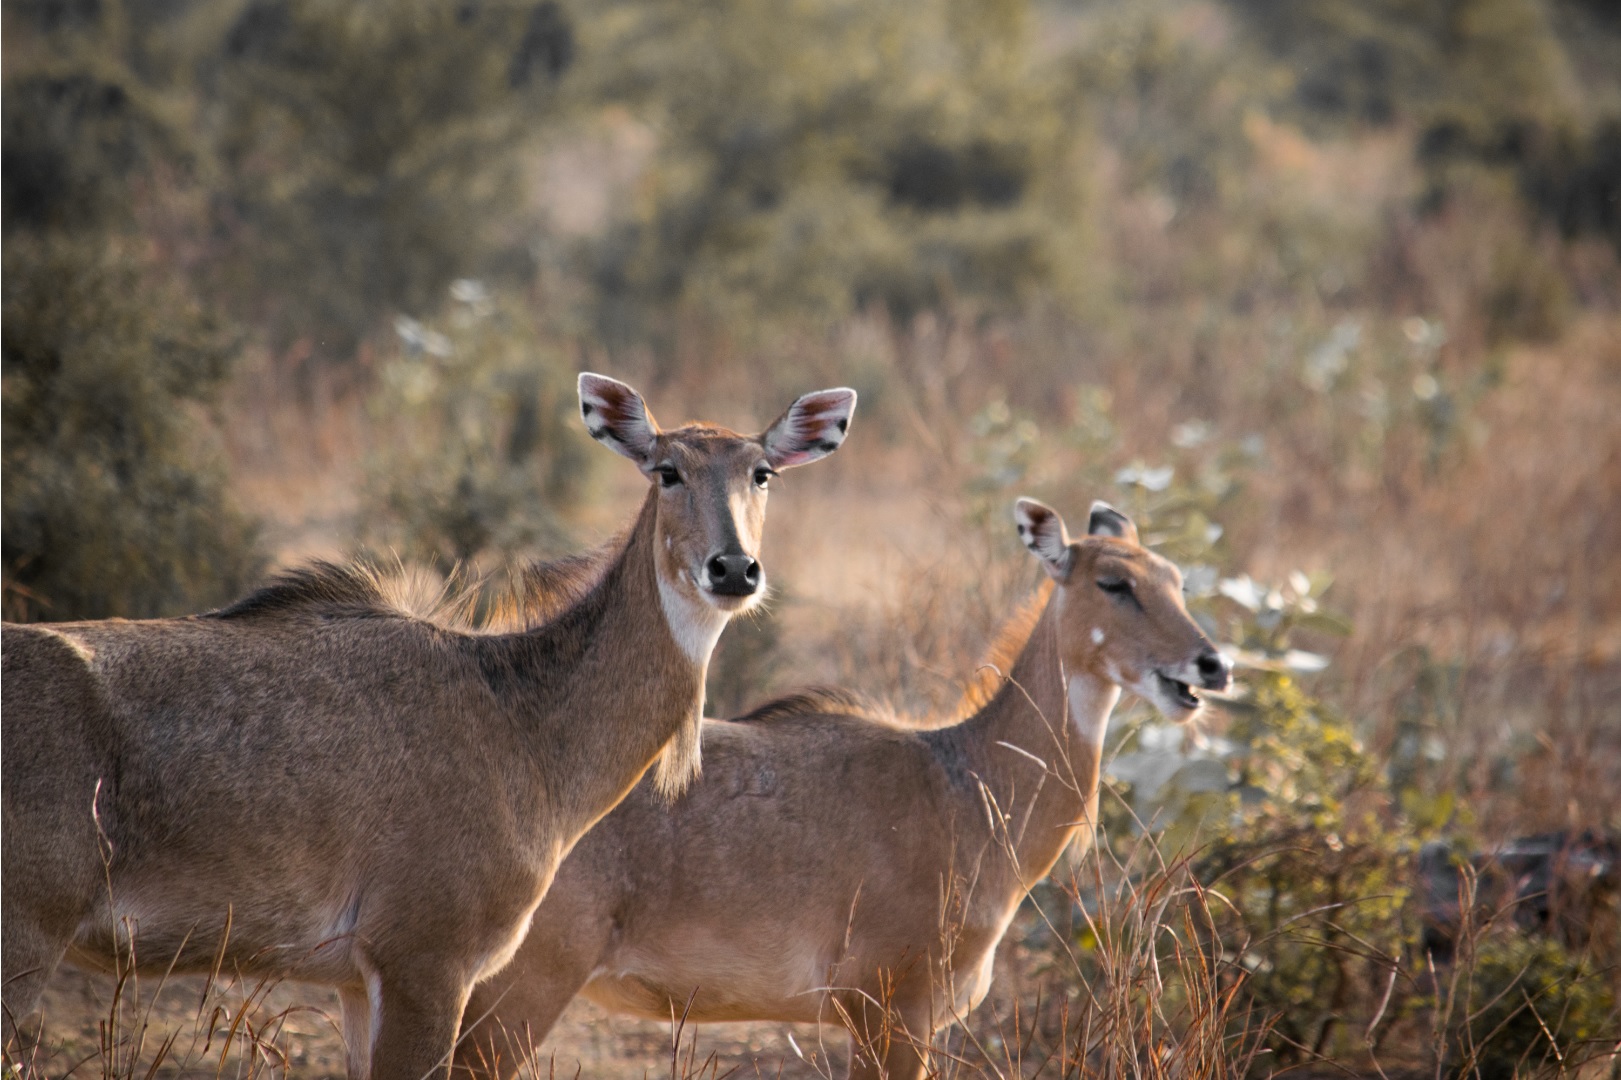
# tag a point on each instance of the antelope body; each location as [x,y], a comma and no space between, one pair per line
[831,866]
[312,784]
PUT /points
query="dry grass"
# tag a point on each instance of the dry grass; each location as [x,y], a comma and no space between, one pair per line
[185,1026]
[297,1036]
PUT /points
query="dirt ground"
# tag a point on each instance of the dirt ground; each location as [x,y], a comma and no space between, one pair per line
[300,1022]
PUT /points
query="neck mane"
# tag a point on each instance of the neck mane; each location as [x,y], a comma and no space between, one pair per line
[1005,649]
[565,679]
[1030,739]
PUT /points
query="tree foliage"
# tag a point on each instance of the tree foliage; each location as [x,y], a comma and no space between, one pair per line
[489,454]
[817,158]
[1377,62]
[115,499]
[370,153]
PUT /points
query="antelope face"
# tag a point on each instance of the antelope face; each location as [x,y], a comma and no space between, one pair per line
[1121,613]
[712,486]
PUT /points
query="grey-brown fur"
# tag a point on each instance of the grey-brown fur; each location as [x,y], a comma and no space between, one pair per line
[365,798]
[828,700]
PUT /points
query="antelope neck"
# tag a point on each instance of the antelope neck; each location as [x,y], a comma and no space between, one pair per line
[1058,717]
[605,684]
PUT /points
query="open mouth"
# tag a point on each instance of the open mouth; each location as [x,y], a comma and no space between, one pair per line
[1177,691]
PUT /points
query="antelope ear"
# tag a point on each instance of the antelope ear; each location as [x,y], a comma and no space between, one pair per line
[617,417]
[1107,521]
[1042,530]
[812,428]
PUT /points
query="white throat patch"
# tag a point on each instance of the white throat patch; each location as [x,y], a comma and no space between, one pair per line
[695,625]
[1089,707]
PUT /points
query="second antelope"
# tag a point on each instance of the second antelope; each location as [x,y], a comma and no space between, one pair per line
[313,784]
[807,877]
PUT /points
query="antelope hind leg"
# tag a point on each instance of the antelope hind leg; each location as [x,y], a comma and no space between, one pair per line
[510,1014]
[30,956]
[51,856]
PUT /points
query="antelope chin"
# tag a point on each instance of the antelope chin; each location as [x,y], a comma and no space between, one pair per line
[1175,699]
[731,604]
[694,623]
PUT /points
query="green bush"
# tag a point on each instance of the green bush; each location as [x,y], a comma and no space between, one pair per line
[1284,813]
[819,158]
[1525,1005]
[1384,60]
[485,454]
[115,499]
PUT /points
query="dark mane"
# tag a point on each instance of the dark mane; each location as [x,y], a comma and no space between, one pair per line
[316,587]
[825,700]
[544,590]
[360,589]
[538,593]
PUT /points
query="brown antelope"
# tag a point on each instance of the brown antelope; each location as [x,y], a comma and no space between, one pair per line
[833,865]
[313,784]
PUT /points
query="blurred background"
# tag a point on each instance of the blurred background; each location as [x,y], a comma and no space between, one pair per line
[1325,293]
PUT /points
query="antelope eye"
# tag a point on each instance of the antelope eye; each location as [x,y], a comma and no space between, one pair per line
[1115,586]
[667,475]
[763,475]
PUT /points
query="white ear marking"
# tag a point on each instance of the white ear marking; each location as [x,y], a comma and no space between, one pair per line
[1043,532]
[1097,635]
[616,416]
[813,427]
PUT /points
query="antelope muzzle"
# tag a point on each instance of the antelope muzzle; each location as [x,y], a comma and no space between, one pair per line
[733,574]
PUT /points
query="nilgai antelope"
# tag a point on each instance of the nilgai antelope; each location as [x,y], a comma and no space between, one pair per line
[312,784]
[832,865]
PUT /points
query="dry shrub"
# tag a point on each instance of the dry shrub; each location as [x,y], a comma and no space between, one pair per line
[919,643]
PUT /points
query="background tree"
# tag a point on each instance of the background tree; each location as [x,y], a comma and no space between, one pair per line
[115,498]
[370,154]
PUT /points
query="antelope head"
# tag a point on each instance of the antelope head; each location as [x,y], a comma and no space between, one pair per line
[1120,610]
[712,487]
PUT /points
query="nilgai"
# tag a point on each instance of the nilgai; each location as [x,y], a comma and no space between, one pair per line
[832,865]
[313,784]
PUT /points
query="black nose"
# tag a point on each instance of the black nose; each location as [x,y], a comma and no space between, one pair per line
[733,575]
[1213,670]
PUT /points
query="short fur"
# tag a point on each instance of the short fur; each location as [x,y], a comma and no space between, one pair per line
[829,861]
